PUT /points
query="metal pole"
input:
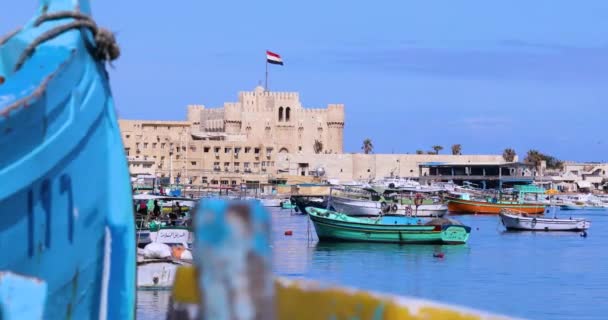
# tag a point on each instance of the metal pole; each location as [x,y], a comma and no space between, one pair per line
[266,83]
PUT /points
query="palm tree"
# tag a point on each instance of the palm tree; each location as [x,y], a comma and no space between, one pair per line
[419,151]
[367,147]
[456,149]
[534,157]
[509,155]
[317,146]
[437,148]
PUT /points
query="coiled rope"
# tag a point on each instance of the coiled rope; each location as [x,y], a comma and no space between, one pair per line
[106,48]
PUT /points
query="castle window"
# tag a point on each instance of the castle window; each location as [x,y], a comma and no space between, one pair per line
[247,149]
[193,163]
[287,113]
[128,136]
[280,114]
[154,145]
[206,149]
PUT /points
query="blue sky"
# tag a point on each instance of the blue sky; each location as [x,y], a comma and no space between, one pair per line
[485,74]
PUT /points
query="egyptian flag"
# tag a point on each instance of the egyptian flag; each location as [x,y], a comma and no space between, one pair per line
[273,58]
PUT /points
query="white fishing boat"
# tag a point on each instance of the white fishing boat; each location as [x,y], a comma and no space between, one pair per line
[514,220]
[370,208]
[158,261]
[271,202]
[157,274]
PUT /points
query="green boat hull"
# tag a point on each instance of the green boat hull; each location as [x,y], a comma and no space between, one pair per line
[333,226]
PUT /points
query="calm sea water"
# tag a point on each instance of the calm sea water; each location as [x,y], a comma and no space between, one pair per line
[525,274]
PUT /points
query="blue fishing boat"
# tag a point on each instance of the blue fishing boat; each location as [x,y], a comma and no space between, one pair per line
[67,218]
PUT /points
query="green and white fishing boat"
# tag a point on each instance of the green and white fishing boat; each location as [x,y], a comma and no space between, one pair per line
[335,226]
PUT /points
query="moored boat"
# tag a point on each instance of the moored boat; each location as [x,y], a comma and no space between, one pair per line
[270,202]
[457,205]
[65,193]
[302,202]
[585,207]
[335,226]
[485,203]
[517,220]
[371,208]
[287,204]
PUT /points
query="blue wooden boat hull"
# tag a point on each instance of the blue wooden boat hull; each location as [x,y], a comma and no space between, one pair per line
[65,196]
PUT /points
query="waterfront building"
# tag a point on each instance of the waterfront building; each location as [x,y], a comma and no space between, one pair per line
[234,144]
[264,137]
[485,175]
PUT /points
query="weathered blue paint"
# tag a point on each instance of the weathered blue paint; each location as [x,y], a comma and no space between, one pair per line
[232,253]
[65,189]
[21,297]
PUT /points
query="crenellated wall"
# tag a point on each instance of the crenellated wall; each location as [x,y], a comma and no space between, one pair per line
[273,122]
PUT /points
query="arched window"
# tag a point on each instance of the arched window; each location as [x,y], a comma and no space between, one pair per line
[281,114]
[287,113]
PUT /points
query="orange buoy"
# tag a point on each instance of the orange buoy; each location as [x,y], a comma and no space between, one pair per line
[288,233]
[177,251]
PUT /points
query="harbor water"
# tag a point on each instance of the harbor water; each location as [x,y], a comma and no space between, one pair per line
[534,275]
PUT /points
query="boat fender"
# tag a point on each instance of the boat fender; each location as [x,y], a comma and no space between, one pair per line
[394,208]
[408,210]
[384,207]
[177,252]
[157,250]
[186,255]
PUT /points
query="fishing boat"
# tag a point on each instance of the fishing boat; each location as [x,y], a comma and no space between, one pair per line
[158,274]
[159,231]
[368,203]
[464,203]
[287,204]
[302,202]
[517,220]
[335,226]
[65,195]
[586,207]
[158,261]
[270,202]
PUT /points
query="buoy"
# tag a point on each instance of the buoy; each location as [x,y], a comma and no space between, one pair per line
[438,255]
[288,233]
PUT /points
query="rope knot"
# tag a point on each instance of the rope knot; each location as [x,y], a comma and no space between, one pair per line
[107,47]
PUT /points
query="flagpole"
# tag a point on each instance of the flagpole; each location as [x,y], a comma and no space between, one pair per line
[266,83]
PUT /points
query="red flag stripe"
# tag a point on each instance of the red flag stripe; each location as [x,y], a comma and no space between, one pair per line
[272,54]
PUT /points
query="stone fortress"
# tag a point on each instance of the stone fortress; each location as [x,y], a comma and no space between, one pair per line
[237,143]
[264,137]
